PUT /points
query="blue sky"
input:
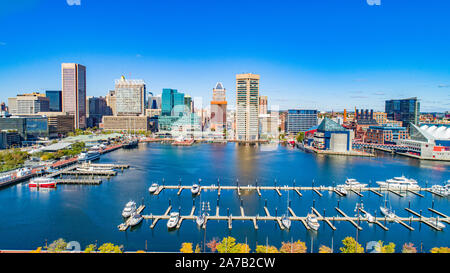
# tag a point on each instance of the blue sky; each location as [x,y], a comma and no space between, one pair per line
[324,54]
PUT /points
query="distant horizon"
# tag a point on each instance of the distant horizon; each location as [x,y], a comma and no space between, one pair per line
[326,55]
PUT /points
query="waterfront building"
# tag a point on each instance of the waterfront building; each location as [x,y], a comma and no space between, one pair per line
[130,97]
[262,105]
[428,142]
[74,92]
[268,125]
[300,120]
[178,104]
[9,139]
[219,108]
[405,110]
[96,109]
[380,118]
[385,134]
[247,107]
[28,104]
[128,123]
[55,100]
[59,123]
[111,102]
[29,128]
[333,137]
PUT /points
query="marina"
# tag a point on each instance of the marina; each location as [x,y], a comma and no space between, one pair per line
[248,199]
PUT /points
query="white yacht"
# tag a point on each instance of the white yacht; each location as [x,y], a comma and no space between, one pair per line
[399,183]
[135,219]
[341,190]
[435,222]
[442,190]
[353,183]
[88,156]
[368,217]
[153,188]
[286,221]
[388,212]
[312,222]
[129,209]
[195,189]
[173,220]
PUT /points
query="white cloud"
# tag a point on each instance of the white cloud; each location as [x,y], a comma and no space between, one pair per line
[73,2]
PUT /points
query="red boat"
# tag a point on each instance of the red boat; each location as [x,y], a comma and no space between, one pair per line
[42,182]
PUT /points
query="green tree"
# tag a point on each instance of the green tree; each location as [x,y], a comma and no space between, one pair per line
[351,246]
[57,246]
[294,247]
[300,136]
[90,248]
[110,248]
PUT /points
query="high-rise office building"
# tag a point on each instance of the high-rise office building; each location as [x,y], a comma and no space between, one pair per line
[405,110]
[130,97]
[55,99]
[263,105]
[74,92]
[300,120]
[219,108]
[167,101]
[96,109]
[28,104]
[178,104]
[247,107]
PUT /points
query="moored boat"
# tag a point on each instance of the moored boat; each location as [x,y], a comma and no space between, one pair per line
[399,183]
[312,222]
[152,189]
[286,221]
[135,219]
[195,189]
[173,220]
[88,156]
[129,209]
[42,182]
[353,183]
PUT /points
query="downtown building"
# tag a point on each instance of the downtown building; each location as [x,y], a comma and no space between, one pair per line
[55,100]
[130,97]
[74,92]
[405,110]
[28,104]
[219,108]
[247,107]
[300,120]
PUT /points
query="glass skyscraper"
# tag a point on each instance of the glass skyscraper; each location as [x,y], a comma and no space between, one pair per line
[300,120]
[405,110]
[55,98]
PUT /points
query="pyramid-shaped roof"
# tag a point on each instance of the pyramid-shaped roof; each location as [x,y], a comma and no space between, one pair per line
[330,125]
[219,86]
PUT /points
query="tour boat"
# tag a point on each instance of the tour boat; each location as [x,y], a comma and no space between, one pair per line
[442,190]
[341,190]
[173,220]
[399,183]
[195,189]
[133,143]
[312,222]
[129,209]
[353,183]
[135,219]
[286,221]
[42,182]
[153,188]
[88,156]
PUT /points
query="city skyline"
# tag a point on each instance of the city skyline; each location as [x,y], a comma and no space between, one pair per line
[346,55]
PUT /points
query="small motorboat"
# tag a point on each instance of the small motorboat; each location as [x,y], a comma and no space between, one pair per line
[135,219]
[173,220]
[340,189]
[369,218]
[195,189]
[129,209]
[42,182]
[153,188]
[286,221]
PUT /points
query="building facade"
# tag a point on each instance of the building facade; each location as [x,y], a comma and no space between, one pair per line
[333,137]
[300,120]
[96,109]
[262,105]
[55,100]
[28,104]
[127,123]
[385,134]
[74,92]
[130,97]
[219,108]
[111,102]
[405,110]
[247,107]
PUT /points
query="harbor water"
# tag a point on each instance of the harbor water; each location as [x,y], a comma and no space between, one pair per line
[90,214]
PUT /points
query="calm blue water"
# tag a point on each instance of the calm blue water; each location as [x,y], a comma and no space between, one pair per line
[90,214]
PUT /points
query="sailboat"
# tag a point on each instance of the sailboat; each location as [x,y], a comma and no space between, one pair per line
[388,212]
[200,218]
[285,219]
